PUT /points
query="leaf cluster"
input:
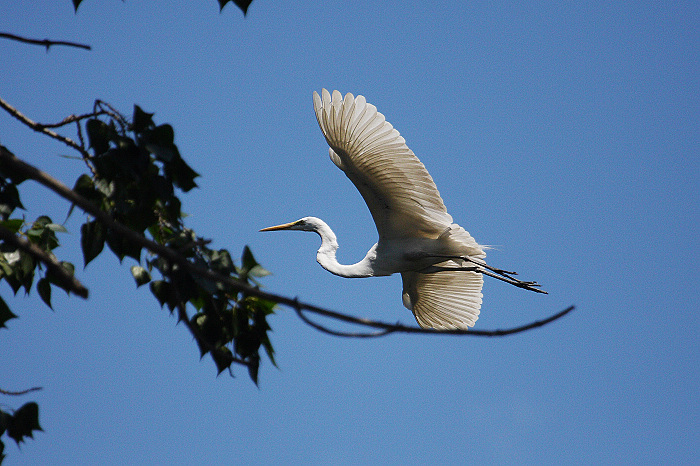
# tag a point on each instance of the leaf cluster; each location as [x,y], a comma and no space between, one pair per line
[137,172]
[20,424]
[136,167]
[229,325]
[18,266]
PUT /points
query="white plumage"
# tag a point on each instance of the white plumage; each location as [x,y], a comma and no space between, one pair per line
[441,265]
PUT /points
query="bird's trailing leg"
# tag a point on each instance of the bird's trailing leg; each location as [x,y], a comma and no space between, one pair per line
[485,269]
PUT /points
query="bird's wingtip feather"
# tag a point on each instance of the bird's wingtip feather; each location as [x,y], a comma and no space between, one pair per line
[326,96]
[317,102]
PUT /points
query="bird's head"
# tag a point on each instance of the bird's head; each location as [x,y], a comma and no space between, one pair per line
[303,224]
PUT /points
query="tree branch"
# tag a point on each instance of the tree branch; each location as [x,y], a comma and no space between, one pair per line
[68,281]
[38,127]
[71,119]
[321,328]
[391,328]
[21,392]
[45,42]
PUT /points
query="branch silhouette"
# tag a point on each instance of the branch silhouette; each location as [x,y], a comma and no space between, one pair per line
[387,328]
[31,172]
[44,42]
[44,129]
[20,392]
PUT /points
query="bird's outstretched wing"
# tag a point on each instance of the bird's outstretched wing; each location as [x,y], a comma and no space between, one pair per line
[444,300]
[398,190]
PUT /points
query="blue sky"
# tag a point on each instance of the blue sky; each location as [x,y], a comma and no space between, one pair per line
[565,134]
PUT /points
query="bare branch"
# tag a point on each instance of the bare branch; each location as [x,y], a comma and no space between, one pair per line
[71,119]
[62,190]
[391,328]
[44,42]
[43,129]
[105,108]
[337,333]
[68,281]
[21,392]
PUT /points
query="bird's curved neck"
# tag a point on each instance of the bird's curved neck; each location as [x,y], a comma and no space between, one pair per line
[326,257]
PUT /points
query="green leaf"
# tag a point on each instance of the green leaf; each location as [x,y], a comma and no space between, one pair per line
[259,271]
[141,120]
[183,175]
[9,198]
[13,281]
[160,141]
[85,187]
[92,240]
[40,223]
[250,267]
[104,188]
[222,357]
[56,227]
[221,261]
[123,247]
[163,291]
[163,153]
[17,176]
[5,313]
[5,420]
[98,135]
[27,264]
[43,286]
[141,275]
[160,290]
[24,421]
[13,224]
[242,4]
[247,259]
[253,366]
[163,135]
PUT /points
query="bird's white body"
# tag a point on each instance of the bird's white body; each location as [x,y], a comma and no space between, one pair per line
[441,265]
[385,257]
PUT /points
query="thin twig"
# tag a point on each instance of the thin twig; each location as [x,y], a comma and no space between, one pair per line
[389,328]
[104,107]
[321,328]
[70,119]
[62,190]
[21,392]
[42,129]
[44,42]
[66,280]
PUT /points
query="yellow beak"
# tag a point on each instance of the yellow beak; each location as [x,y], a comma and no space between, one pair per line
[280,227]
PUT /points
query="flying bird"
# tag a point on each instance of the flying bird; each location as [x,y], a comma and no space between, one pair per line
[441,265]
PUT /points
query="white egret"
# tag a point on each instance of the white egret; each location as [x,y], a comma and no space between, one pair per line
[440,263]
